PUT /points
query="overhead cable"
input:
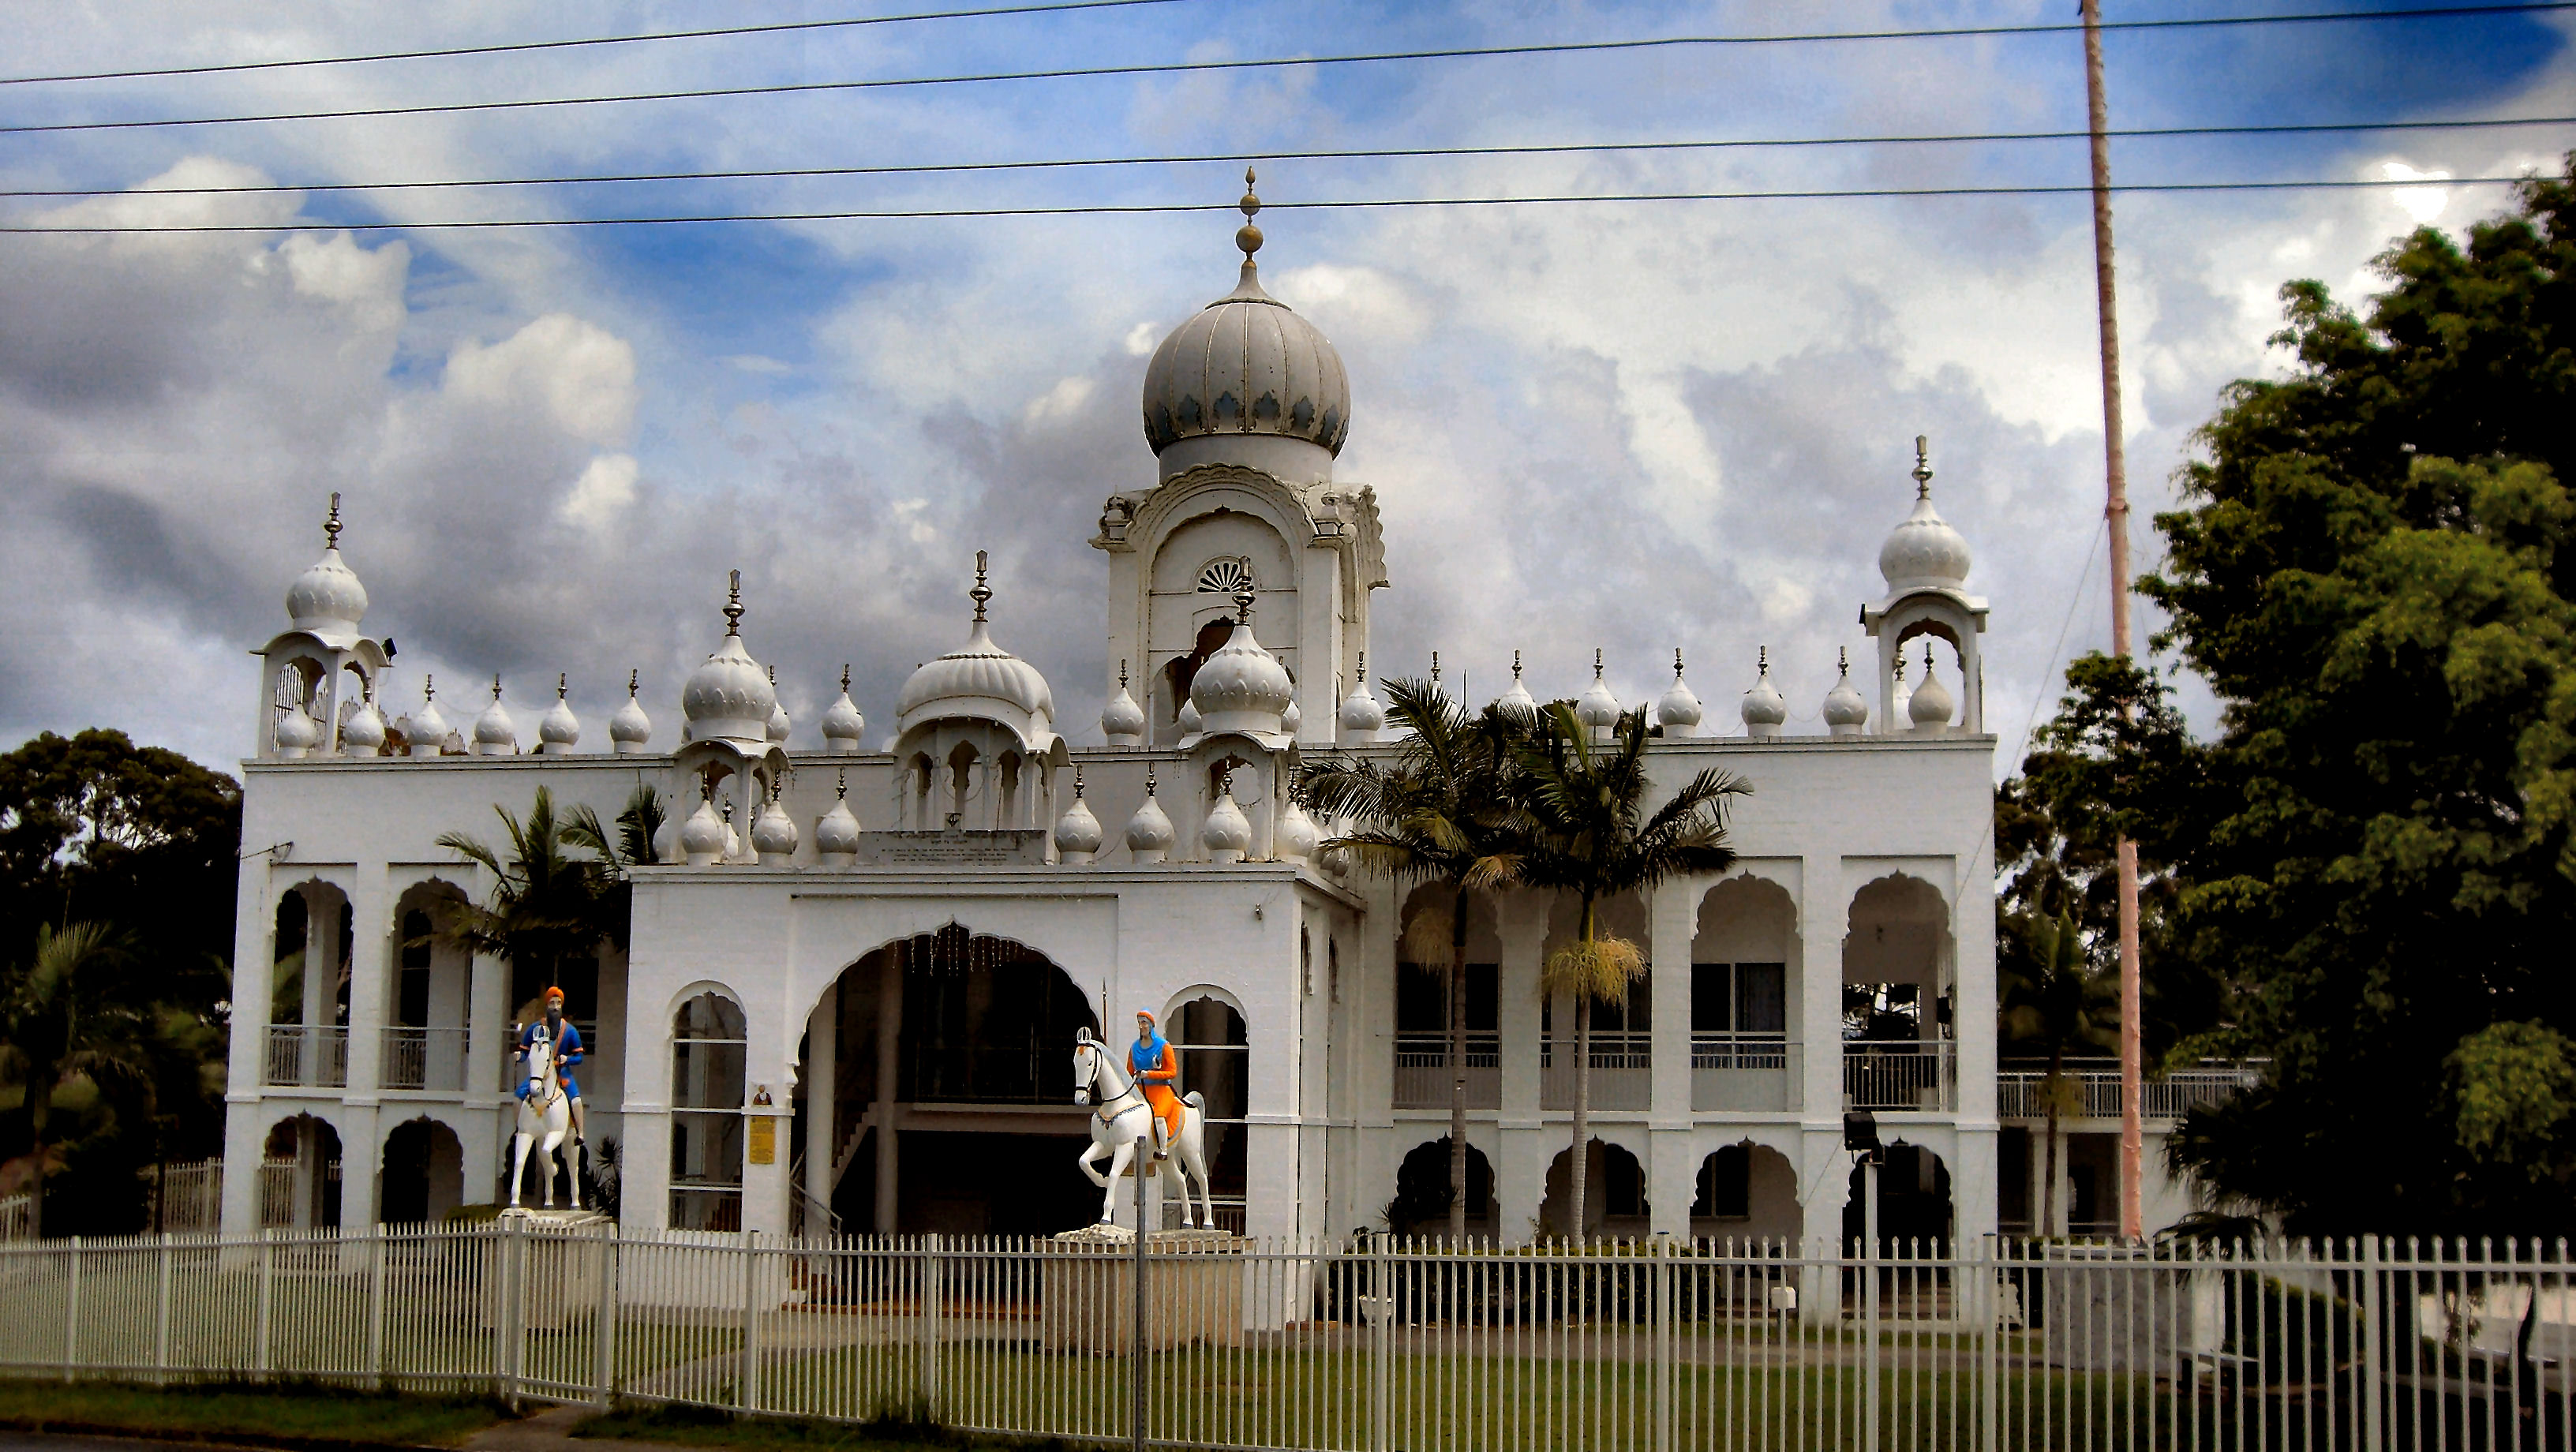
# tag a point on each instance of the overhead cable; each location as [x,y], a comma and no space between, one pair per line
[1280,62]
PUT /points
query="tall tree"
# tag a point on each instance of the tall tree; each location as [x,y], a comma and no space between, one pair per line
[1440,812]
[1588,832]
[61,1019]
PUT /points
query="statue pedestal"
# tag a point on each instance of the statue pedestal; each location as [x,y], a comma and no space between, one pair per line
[1193,1290]
[549,1270]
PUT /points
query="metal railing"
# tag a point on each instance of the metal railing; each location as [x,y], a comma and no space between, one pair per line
[1622,1070]
[2097,1089]
[307,1056]
[1900,1076]
[1746,1071]
[1367,1343]
[431,1059]
[1422,1077]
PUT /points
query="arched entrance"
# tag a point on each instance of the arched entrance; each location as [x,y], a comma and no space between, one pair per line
[1913,1202]
[299,1175]
[950,1086]
[1207,1035]
[1614,1193]
[1747,1192]
[424,1173]
[1421,1204]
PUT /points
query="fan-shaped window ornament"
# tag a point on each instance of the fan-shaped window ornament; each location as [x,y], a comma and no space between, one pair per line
[1224,577]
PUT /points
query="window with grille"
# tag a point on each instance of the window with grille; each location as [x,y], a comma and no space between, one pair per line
[1224,577]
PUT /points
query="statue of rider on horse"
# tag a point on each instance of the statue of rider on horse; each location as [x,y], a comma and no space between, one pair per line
[1140,1103]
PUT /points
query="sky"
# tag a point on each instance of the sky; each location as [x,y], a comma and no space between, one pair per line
[1627,426]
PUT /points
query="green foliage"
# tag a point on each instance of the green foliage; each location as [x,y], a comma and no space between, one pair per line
[548,909]
[2515,1085]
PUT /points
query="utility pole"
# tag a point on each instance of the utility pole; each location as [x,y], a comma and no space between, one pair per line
[2116,512]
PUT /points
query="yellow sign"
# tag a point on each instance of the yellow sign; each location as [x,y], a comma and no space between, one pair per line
[764,1139]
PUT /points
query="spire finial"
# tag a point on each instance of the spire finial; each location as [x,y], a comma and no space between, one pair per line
[845,678]
[733,604]
[982,592]
[1248,236]
[428,687]
[496,685]
[1077,781]
[1435,667]
[773,678]
[1922,466]
[331,526]
[1596,662]
[1516,665]
[1363,668]
[1122,680]
[841,784]
[1762,660]
[632,677]
[1842,660]
[1677,662]
[1243,604]
[561,678]
[1149,778]
[1900,664]
[1927,660]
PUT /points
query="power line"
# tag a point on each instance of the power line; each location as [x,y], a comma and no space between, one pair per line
[1357,204]
[1361,154]
[1279,62]
[455,51]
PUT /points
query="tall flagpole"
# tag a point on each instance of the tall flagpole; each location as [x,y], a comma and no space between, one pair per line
[2116,512]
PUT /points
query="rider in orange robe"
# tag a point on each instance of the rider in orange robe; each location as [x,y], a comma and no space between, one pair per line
[1157,1069]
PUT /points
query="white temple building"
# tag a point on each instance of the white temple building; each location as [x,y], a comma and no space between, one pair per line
[855,967]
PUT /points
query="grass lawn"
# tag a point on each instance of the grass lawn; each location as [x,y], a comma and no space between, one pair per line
[229,1409]
[695,1427]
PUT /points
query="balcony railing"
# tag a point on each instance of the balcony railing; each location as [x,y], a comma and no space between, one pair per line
[425,1058]
[1746,1071]
[1422,1077]
[1901,1076]
[2097,1089]
[304,1056]
[1622,1070]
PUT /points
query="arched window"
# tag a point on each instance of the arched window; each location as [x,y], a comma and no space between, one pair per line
[707,1048]
[1216,1062]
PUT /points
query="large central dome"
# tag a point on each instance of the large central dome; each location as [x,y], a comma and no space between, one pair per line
[1247,364]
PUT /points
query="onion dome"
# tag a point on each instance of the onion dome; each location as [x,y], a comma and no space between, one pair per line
[327,599]
[979,681]
[842,723]
[427,729]
[1149,832]
[1679,711]
[1077,832]
[1293,836]
[1189,719]
[1900,695]
[1930,706]
[495,734]
[773,833]
[728,697]
[1517,695]
[1361,715]
[559,731]
[363,733]
[1846,711]
[297,734]
[1247,364]
[1122,720]
[778,725]
[1924,552]
[1242,687]
[836,832]
[702,839]
[1292,718]
[1598,710]
[1227,833]
[630,729]
[1764,709]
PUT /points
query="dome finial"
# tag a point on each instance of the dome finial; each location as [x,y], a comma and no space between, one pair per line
[1242,605]
[1077,781]
[1922,466]
[561,679]
[1122,681]
[845,678]
[982,592]
[1149,778]
[496,682]
[1435,667]
[1596,662]
[1516,665]
[1842,661]
[1248,236]
[1677,662]
[331,526]
[841,784]
[428,686]
[633,677]
[733,604]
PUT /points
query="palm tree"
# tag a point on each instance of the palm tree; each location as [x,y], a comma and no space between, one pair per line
[1590,834]
[60,1021]
[1440,812]
[2055,999]
[547,906]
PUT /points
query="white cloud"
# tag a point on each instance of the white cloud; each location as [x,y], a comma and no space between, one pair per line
[582,376]
[604,491]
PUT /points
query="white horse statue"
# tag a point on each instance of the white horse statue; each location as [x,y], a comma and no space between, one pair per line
[1123,1117]
[544,1112]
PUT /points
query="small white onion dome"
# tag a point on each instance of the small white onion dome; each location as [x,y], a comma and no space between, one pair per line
[1242,687]
[1764,708]
[1149,832]
[1189,719]
[774,837]
[842,723]
[1516,695]
[327,599]
[1924,552]
[363,733]
[1930,706]
[1292,718]
[427,729]
[1362,717]
[728,697]
[1597,709]
[836,834]
[666,842]
[297,734]
[1122,721]
[703,838]
[979,681]
[630,730]
[559,731]
[1227,833]
[1247,364]
[495,734]
[1294,836]
[1077,832]
[1679,711]
[1846,710]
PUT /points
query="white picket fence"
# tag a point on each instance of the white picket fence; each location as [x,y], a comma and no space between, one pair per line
[1366,1345]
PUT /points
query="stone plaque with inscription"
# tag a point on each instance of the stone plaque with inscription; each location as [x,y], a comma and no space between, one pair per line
[952,849]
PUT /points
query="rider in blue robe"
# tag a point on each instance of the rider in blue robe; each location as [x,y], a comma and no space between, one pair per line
[560,1032]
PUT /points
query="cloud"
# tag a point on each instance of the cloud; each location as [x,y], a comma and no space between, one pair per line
[604,491]
[581,376]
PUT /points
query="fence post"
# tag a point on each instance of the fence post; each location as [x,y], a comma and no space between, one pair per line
[1142,1163]
[2373,1431]
[1379,1309]
[71,1312]
[161,1316]
[1990,1335]
[747,1392]
[603,1335]
[930,1298]
[376,1308]
[267,1286]
[1869,1304]
[505,1311]
[1661,1279]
